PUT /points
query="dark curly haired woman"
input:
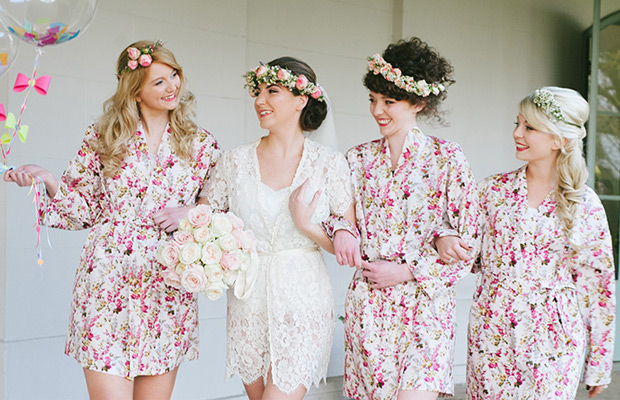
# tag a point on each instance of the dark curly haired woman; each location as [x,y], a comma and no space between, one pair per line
[409,189]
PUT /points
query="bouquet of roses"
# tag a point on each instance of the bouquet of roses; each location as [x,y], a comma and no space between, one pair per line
[209,253]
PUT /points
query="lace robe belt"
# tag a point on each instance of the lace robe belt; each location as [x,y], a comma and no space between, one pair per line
[288,252]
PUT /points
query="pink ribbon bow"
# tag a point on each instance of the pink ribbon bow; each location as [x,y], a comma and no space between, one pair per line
[40,84]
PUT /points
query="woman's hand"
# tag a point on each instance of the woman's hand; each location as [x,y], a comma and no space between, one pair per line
[347,249]
[300,210]
[594,391]
[385,273]
[25,174]
[168,218]
[452,249]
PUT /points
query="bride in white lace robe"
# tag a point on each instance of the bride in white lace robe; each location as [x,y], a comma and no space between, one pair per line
[283,332]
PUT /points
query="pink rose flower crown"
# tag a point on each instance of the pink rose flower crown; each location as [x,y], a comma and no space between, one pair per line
[265,73]
[378,65]
[139,57]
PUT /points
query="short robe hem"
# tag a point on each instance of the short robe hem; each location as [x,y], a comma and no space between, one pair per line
[130,377]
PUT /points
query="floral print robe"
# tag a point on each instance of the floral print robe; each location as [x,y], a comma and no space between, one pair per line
[402,337]
[124,320]
[541,299]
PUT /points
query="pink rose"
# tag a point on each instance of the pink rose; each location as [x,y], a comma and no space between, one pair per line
[133,64]
[168,254]
[133,53]
[194,279]
[301,82]
[171,278]
[182,237]
[245,239]
[229,262]
[200,215]
[396,71]
[145,60]
[261,70]
[283,74]
[237,223]
[317,93]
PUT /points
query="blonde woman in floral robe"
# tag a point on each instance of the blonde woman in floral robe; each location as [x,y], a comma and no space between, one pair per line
[127,329]
[545,296]
[409,189]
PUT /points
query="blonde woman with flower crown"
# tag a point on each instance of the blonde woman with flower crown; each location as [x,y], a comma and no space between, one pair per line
[409,189]
[545,296]
[283,186]
[138,168]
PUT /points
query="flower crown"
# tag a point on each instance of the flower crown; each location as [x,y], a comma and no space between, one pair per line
[272,74]
[378,65]
[545,100]
[139,57]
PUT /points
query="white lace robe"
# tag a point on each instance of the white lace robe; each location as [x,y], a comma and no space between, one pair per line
[287,323]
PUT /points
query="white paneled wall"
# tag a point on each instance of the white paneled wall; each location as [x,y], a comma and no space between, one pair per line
[501,50]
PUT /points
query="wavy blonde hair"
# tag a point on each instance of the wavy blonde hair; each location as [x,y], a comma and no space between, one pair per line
[570,164]
[121,114]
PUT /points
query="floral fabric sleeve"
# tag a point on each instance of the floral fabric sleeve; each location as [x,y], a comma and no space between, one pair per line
[459,217]
[593,272]
[77,203]
[216,186]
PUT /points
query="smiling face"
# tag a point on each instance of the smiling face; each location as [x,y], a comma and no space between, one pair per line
[533,145]
[277,107]
[394,117]
[160,90]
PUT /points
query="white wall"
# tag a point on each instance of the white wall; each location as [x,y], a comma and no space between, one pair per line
[501,50]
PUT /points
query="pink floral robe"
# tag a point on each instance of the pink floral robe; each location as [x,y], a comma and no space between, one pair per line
[402,337]
[537,307]
[124,320]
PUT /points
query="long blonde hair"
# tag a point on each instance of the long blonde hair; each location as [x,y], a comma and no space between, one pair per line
[570,164]
[121,114]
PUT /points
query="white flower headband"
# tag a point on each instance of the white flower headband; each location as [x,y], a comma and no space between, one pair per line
[270,75]
[378,65]
[545,100]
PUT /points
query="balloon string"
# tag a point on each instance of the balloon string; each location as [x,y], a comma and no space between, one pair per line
[23,107]
[36,189]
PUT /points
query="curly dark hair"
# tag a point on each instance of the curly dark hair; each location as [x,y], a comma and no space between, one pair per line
[417,59]
[314,112]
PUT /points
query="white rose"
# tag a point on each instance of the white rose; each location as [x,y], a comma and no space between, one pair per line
[213,272]
[168,254]
[211,254]
[202,234]
[184,225]
[220,224]
[194,279]
[189,253]
[215,290]
[227,242]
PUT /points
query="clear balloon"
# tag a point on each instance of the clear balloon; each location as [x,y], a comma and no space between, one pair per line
[8,51]
[47,22]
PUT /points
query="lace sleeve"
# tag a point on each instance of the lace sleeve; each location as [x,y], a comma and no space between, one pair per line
[216,187]
[339,185]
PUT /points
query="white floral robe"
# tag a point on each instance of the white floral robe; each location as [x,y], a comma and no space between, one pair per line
[287,322]
[124,320]
[402,337]
[537,307]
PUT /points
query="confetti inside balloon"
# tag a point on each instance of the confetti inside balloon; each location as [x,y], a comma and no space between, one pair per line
[8,51]
[44,22]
